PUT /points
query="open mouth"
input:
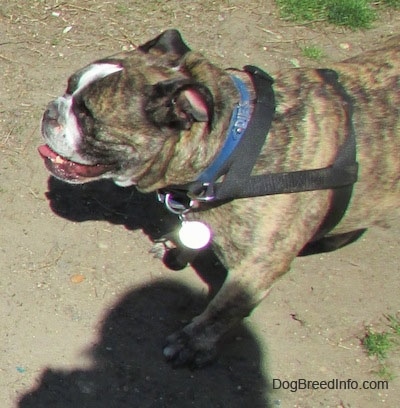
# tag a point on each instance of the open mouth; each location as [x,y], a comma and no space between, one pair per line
[68,170]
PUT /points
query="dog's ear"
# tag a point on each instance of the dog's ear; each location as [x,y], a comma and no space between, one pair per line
[169,41]
[178,104]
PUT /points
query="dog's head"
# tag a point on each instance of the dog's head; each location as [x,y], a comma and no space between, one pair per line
[129,116]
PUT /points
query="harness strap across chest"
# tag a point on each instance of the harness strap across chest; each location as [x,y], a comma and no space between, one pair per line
[229,176]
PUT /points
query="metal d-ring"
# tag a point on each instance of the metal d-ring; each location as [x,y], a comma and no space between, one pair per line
[175,206]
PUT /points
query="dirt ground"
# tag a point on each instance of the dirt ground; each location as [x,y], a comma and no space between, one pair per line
[85,307]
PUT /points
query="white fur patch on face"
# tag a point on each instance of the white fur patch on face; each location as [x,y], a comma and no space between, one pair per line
[96,71]
[64,136]
[68,145]
[71,128]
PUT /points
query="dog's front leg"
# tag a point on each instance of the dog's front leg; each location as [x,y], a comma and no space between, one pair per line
[196,344]
[257,250]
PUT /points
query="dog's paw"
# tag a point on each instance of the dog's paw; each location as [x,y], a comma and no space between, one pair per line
[183,349]
[160,248]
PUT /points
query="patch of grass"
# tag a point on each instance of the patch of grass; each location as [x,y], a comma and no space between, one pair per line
[55,41]
[351,13]
[394,324]
[312,52]
[377,344]
[354,14]
[392,3]
[305,10]
[385,372]
[122,8]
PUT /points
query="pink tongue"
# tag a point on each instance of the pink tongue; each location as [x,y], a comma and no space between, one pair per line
[67,169]
[46,152]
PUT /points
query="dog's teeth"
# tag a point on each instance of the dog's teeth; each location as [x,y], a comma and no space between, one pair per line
[58,160]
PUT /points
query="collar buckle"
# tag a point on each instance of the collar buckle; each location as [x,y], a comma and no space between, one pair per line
[204,194]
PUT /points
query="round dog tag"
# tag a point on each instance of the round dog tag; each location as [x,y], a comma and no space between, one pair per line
[194,234]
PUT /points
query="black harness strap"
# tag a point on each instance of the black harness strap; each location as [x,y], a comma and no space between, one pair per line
[340,176]
[238,182]
[346,159]
[331,177]
[245,156]
[238,168]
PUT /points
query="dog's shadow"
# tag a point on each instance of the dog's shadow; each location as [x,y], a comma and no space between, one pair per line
[128,366]
[104,200]
[128,369]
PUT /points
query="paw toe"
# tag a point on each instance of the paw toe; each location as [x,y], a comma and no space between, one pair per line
[182,350]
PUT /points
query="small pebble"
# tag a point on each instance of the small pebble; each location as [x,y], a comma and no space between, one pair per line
[77,278]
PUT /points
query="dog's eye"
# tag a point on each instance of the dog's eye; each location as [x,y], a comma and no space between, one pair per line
[80,109]
[82,114]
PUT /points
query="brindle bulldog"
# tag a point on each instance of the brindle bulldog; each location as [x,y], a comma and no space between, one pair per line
[162,117]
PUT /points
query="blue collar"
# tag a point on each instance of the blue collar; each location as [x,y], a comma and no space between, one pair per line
[245,134]
[237,126]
